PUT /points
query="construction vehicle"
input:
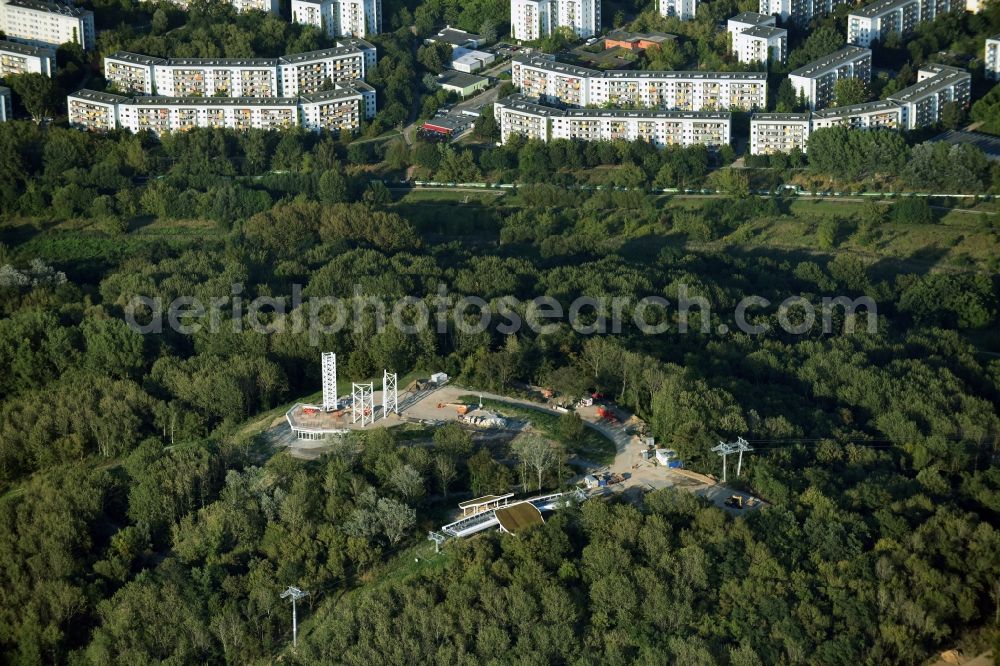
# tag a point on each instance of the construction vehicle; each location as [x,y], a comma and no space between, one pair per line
[607,415]
[735,501]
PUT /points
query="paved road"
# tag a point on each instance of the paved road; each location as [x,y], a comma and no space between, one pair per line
[855,197]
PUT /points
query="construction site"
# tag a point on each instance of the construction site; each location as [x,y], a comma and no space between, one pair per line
[638,466]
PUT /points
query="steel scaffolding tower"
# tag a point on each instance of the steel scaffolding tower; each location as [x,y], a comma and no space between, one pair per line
[363,403]
[329,360]
[390,393]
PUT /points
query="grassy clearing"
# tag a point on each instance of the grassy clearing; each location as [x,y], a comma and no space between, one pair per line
[593,446]
[933,246]
[86,242]
[450,195]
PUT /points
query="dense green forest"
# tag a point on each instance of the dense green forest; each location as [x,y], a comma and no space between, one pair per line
[144,518]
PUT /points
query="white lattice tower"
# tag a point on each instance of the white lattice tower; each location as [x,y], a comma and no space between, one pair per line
[363,403]
[390,393]
[329,360]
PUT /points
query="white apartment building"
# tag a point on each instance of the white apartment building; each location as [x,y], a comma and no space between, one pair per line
[554,82]
[338,109]
[24,59]
[754,38]
[535,19]
[94,111]
[762,44]
[685,10]
[530,19]
[6,108]
[747,20]
[936,86]
[267,6]
[816,80]
[878,19]
[911,108]
[46,24]
[341,108]
[287,76]
[799,11]
[882,114]
[132,73]
[178,114]
[518,114]
[681,91]
[304,73]
[217,77]
[340,18]
[318,13]
[778,132]
[991,58]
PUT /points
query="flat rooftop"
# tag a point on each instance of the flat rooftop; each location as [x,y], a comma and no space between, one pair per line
[97,96]
[460,79]
[455,37]
[322,54]
[338,92]
[446,123]
[930,86]
[566,69]
[752,18]
[556,66]
[880,7]
[823,65]
[485,499]
[136,58]
[308,417]
[519,102]
[26,50]
[657,37]
[780,117]
[766,32]
[938,68]
[855,109]
[50,7]
[222,62]
[517,517]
